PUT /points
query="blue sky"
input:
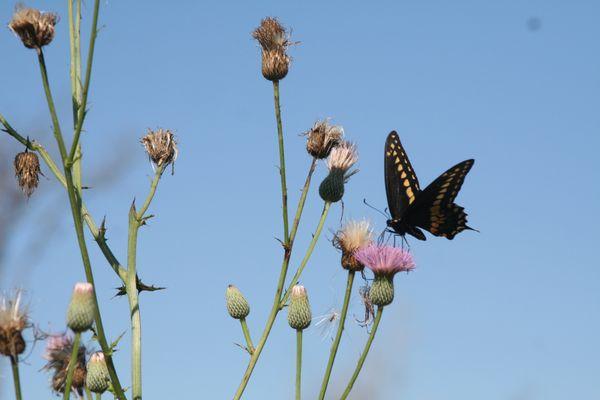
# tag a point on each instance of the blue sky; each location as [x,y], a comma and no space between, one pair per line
[510,313]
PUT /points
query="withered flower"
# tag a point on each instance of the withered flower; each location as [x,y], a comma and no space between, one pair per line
[354,235]
[13,320]
[33,27]
[27,171]
[322,138]
[274,41]
[161,147]
[58,354]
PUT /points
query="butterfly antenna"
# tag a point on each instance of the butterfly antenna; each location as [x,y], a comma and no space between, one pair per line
[385,214]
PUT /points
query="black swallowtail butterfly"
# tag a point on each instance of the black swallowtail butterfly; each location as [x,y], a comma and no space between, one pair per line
[411,208]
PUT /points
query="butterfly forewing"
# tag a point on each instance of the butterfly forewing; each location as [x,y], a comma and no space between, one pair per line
[401,183]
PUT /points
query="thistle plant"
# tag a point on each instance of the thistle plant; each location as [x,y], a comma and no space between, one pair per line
[66,356]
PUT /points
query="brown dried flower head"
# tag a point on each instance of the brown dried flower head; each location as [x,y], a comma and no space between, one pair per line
[13,320]
[33,27]
[58,354]
[161,147]
[274,41]
[353,236]
[322,138]
[27,171]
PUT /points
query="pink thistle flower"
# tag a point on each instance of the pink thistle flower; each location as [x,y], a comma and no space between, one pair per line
[385,260]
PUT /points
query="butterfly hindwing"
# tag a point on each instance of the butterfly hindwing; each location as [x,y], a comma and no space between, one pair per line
[401,183]
[435,210]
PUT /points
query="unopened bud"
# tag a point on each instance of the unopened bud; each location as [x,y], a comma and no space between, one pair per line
[237,305]
[82,309]
[97,379]
[299,314]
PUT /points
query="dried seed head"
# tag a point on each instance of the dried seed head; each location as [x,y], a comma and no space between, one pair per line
[271,34]
[13,320]
[58,354]
[299,314]
[274,41]
[353,236]
[161,147]
[275,64]
[27,171]
[97,378]
[322,138]
[33,27]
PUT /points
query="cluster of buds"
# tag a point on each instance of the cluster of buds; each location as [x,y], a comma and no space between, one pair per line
[161,147]
[58,354]
[353,236]
[13,320]
[322,138]
[33,27]
[237,305]
[341,159]
[385,262]
[299,314]
[97,379]
[82,308]
[274,41]
[27,171]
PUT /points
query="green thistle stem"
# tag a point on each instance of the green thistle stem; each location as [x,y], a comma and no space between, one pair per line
[71,366]
[14,362]
[76,211]
[284,208]
[338,335]
[298,364]
[247,336]
[308,254]
[88,392]
[136,220]
[363,356]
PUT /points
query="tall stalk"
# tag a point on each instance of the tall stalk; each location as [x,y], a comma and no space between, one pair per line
[284,208]
[298,364]
[338,335]
[71,366]
[363,356]
[14,362]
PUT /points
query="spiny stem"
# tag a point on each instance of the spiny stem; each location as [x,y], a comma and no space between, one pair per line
[14,361]
[247,336]
[277,303]
[338,335]
[76,211]
[136,220]
[75,75]
[286,235]
[298,364]
[363,356]
[309,252]
[71,367]
[88,74]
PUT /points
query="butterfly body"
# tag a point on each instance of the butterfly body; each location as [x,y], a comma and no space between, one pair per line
[432,209]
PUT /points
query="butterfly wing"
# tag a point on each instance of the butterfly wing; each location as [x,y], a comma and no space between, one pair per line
[401,183]
[435,210]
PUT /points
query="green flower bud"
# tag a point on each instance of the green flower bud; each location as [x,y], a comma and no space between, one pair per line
[299,315]
[237,305]
[82,309]
[332,187]
[97,379]
[381,292]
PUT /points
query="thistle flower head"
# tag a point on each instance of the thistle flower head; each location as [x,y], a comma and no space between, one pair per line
[161,147]
[385,260]
[353,236]
[299,313]
[33,27]
[97,378]
[27,171]
[13,320]
[343,157]
[271,35]
[274,41]
[237,305]
[82,308]
[58,354]
[322,138]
